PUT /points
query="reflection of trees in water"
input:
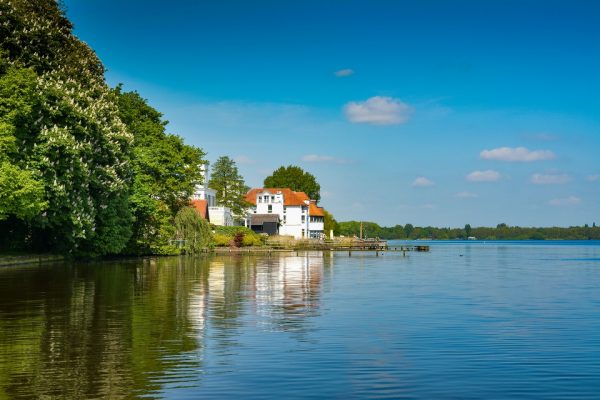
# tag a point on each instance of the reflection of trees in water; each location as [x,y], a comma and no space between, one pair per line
[127,328]
[108,330]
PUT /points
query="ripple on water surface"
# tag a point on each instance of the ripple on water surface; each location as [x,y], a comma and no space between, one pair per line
[466,320]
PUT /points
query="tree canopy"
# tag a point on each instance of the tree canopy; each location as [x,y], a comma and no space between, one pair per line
[229,184]
[71,146]
[164,171]
[84,169]
[330,224]
[295,178]
[193,229]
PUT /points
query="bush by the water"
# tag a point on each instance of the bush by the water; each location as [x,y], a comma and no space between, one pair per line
[237,236]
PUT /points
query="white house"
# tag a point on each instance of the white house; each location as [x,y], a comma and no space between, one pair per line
[316,221]
[299,216]
[205,200]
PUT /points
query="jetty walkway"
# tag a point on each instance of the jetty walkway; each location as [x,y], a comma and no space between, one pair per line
[354,245]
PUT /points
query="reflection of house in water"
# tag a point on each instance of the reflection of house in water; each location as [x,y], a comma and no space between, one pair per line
[280,291]
[197,308]
[216,280]
[290,285]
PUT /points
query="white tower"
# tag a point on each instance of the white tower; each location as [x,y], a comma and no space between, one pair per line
[203,192]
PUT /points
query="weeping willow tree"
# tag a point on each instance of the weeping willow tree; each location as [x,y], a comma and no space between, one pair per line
[194,230]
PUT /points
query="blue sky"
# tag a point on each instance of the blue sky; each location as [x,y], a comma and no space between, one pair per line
[432,112]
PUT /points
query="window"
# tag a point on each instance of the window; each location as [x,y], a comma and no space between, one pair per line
[260,199]
[302,232]
[272,199]
[284,209]
[284,219]
[270,209]
[303,219]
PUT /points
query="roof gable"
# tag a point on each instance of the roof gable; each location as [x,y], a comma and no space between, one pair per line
[201,206]
[315,211]
[290,198]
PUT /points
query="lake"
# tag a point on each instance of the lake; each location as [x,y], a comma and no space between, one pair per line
[466,320]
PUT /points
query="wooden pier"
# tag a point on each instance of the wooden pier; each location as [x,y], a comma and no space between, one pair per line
[355,245]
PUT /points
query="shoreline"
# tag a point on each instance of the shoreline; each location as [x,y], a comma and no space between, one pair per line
[29,259]
[382,245]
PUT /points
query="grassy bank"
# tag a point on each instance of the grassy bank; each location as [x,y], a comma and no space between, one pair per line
[23,259]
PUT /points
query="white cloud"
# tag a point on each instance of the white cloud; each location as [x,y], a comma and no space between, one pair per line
[550,179]
[593,178]
[484,176]
[465,195]
[512,154]
[344,72]
[241,159]
[422,182]
[567,201]
[378,110]
[321,158]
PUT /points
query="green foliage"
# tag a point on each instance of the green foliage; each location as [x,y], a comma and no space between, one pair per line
[60,126]
[295,178]
[21,190]
[237,236]
[221,240]
[165,171]
[468,230]
[330,224]
[194,229]
[229,184]
[84,169]
[21,194]
[501,232]
[253,240]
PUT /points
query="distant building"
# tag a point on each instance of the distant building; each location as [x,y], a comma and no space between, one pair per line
[298,215]
[316,221]
[205,201]
[202,191]
[264,223]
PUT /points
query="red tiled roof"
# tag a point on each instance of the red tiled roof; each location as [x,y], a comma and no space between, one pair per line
[315,211]
[290,198]
[201,206]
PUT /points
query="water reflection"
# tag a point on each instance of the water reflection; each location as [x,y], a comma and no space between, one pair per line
[119,329]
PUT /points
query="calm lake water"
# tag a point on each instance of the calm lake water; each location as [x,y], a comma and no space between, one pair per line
[466,320]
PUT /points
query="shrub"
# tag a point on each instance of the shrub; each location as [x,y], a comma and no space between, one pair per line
[252,240]
[238,239]
[221,240]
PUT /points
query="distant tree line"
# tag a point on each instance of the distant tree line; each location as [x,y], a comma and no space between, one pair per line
[500,232]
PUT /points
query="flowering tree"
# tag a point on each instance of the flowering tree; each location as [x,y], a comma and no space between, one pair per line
[66,133]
